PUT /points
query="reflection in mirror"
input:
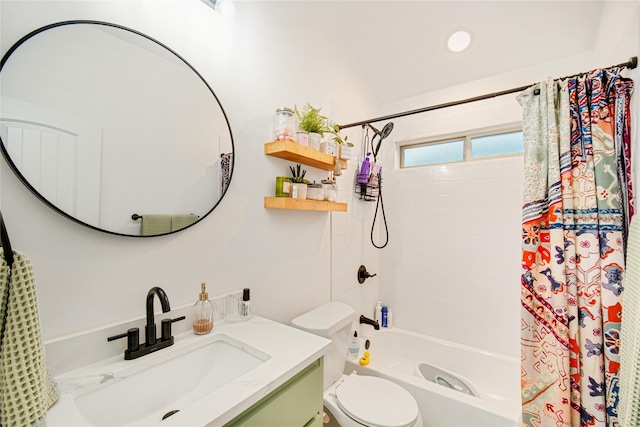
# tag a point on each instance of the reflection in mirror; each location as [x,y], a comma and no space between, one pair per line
[113,129]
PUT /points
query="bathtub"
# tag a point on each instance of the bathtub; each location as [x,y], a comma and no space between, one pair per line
[395,353]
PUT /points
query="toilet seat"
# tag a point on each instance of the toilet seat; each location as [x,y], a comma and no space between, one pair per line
[376,402]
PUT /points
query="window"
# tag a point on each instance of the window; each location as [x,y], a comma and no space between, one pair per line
[463,148]
[501,144]
[433,153]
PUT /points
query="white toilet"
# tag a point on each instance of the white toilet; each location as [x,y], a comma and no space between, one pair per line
[355,400]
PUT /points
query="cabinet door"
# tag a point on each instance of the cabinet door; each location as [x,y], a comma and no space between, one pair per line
[297,403]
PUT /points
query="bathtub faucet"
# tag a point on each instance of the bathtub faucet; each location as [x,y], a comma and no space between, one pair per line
[368,321]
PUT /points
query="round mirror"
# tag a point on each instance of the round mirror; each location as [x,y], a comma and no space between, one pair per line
[113,129]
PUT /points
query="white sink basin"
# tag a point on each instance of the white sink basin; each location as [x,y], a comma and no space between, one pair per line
[143,395]
[210,379]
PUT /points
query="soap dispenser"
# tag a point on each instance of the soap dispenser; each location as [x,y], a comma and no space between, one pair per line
[202,312]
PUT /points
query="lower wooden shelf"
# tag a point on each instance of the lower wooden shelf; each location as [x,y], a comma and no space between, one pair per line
[303,204]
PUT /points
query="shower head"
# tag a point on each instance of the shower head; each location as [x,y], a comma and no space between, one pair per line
[386,130]
[382,134]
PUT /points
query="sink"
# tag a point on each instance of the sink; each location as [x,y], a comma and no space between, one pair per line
[144,394]
[209,379]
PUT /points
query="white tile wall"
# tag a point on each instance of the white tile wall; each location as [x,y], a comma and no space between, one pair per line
[452,266]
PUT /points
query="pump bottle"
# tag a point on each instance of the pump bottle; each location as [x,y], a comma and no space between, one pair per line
[354,347]
[202,312]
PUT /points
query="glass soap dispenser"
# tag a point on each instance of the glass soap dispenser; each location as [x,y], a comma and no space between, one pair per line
[202,312]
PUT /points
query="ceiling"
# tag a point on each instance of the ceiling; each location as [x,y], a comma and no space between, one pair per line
[402,48]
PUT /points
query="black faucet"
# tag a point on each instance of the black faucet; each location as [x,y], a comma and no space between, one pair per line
[368,321]
[150,327]
[134,348]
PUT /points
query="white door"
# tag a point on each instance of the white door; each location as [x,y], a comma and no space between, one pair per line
[59,155]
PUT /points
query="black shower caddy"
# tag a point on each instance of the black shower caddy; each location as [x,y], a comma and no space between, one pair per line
[367,191]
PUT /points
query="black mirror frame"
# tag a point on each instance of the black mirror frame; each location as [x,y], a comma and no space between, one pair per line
[21,177]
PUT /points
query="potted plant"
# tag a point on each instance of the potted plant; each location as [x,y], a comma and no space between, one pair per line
[311,121]
[298,188]
[344,146]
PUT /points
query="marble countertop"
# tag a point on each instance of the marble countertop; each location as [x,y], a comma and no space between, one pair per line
[284,351]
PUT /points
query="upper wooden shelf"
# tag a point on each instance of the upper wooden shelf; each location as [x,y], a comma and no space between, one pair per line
[290,150]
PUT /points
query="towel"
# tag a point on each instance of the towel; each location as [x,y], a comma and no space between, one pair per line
[155,224]
[629,404]
[179,222]
[226,161]
[27,390]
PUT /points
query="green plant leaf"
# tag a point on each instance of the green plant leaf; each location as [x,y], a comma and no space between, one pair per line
[310,119]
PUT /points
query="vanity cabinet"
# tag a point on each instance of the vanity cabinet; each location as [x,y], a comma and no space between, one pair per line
[290,150]
[298,402]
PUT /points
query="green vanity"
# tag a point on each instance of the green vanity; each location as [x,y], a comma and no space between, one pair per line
[298,402]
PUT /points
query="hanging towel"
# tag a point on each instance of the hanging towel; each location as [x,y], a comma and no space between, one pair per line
[27,390]
[226,162]
[178,222]
[155,224]
[629,405]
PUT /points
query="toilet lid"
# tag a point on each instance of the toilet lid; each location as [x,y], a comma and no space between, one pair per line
[376,402]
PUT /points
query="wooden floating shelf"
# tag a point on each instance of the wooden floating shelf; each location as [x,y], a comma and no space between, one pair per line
[303,204]
[290,150]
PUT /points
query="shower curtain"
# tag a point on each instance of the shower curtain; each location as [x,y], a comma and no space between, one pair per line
[577,201]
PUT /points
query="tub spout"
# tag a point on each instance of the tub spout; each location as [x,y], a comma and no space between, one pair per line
[368,321]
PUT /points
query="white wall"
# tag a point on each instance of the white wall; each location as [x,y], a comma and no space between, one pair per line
[255,63]
[460,283]
[452,266]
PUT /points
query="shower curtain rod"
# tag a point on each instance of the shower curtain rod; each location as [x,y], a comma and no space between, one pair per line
[631,64]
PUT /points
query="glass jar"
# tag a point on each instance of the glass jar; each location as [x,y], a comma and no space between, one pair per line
[315,192]
[202,312]
[330,190]
[284,124]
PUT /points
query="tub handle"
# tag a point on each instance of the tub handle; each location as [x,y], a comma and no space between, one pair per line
[363,274]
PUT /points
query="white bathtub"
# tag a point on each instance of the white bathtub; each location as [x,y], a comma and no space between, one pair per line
[395,353]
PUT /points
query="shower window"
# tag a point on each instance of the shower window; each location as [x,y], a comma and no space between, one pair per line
[469,147]
[433,153]
[501,144]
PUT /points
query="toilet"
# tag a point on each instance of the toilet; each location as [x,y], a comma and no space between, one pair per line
[355,400]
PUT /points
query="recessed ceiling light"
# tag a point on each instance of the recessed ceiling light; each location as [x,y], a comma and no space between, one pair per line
[459,41]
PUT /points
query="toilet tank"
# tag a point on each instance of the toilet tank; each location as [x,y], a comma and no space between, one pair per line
[332,320]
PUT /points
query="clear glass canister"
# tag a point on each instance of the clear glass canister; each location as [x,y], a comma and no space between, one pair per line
[315,192]
[284,124]
[330,190]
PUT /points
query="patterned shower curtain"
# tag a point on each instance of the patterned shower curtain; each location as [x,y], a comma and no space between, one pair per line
[577,201]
